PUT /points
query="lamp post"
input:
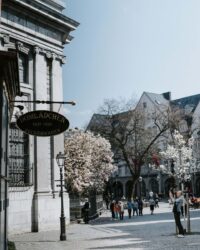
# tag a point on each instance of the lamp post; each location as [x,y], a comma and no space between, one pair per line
[140,181]
[60,158]
[116,186]
[158,180]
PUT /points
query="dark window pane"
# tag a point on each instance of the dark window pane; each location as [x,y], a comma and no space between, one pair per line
[19,171]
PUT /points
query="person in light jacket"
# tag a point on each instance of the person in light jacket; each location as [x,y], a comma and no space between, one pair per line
[178,203]
[151,204]
[121,211]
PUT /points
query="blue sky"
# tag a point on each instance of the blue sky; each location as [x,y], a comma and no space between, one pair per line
[125,47]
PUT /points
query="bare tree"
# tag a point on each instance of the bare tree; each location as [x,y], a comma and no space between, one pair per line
[135,135]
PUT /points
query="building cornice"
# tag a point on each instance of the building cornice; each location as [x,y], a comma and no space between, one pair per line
[49,20]
[57,5]
[37,7]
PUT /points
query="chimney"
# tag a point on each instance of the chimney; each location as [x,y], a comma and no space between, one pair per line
[167,95]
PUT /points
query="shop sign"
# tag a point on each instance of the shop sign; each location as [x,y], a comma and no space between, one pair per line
[42,123]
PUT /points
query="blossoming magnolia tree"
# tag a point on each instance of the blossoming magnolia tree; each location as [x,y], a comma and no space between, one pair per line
[181,154]
[88,162]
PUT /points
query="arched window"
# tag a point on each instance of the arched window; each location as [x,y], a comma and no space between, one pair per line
[154,185]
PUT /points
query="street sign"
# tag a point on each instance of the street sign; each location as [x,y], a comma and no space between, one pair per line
[42,123]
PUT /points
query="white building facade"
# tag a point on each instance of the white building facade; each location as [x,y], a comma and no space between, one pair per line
[188,122]
[38,31]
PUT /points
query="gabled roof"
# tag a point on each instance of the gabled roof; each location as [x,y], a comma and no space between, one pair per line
[185,102]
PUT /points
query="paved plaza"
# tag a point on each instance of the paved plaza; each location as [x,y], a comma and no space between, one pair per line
[140,232]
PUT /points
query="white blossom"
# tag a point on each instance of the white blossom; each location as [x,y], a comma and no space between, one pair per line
[181,153]
[88,161]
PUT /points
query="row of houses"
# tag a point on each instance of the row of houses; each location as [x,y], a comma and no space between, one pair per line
[32,38]
[186,111]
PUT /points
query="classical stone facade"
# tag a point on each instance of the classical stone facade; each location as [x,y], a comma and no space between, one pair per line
[37,31]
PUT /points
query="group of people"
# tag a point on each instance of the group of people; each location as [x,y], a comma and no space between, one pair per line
[117,209]
[134,207]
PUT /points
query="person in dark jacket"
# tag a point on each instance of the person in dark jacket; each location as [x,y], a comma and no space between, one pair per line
[86,210]
[140,206]
[129,207]
[112,209]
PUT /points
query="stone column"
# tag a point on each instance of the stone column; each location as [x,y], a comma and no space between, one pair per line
[57,95]
[43,143]
[42,188]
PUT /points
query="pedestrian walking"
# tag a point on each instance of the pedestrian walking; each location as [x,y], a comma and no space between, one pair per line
[184,206]
[135,207]
[112,209]
[140,207]
[107,202]
[86,210]
[121,210]
[178,202]
[117,210]
[129,207]
[152,205]
[156,200]
[151,194]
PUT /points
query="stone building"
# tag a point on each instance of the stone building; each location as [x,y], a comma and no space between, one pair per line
[9,88]
[158,182]
[37,30]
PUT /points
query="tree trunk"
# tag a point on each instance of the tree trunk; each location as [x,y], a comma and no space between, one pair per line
[132,187]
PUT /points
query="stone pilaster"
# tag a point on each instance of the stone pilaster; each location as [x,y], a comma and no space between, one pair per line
[42,143]
[57,88]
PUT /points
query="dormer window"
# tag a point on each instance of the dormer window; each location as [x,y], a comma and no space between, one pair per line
[183,126]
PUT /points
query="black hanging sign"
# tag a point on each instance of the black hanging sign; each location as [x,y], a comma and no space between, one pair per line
[42,123]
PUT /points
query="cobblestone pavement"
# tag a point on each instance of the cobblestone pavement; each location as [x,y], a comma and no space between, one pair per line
[140,232]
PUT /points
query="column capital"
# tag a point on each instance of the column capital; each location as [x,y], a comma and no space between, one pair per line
[36,49]
[6,38]
[49,54]
[20,47]
[61,58]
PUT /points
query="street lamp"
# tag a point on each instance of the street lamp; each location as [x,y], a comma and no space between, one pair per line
[60,158]
[158,180]
[116,186]
[140,181]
